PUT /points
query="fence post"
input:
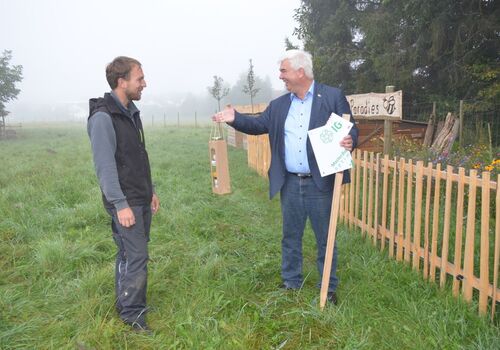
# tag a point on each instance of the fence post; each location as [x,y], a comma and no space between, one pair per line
[388,128]
[195,120]
[461,131]
[178,121]
[164,120]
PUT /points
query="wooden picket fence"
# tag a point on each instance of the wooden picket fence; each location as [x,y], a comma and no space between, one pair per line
[443,223]
[439,221]
[259,153]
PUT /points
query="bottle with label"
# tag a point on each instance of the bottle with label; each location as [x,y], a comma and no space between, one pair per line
[213,165]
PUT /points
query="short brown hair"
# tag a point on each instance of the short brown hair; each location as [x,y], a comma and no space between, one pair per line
[120,68]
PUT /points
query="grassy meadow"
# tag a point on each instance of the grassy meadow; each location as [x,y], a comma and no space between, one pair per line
[215,263]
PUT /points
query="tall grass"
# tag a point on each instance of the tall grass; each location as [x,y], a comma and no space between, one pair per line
[215,263]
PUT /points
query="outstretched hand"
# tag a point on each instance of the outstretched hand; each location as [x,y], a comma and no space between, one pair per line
[224,116]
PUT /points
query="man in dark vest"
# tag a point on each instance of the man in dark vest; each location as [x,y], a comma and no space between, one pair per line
[122,167]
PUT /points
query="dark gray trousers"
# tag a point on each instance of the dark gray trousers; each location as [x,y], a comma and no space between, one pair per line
[131,271]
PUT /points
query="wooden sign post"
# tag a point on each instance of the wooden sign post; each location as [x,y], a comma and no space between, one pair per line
[332,231]
[387,106]
[219,165]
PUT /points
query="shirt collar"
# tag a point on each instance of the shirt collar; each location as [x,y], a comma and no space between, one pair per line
[309,93]
[131,109]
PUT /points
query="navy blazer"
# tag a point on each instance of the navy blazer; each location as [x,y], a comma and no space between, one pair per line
[326,100]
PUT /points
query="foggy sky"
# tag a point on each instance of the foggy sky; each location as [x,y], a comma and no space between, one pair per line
[64,46]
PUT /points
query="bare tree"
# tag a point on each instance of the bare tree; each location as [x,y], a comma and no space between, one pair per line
[218,90]
[250,88]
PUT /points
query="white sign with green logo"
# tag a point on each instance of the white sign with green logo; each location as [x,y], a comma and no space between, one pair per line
[325,141]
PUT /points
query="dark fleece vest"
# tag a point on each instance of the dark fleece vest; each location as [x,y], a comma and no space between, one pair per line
[132,162]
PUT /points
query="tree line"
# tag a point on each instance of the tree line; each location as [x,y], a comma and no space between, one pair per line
[432,50]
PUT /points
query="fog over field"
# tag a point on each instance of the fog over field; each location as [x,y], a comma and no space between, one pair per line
[64,47]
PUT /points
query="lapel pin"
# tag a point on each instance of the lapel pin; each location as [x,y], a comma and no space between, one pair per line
[319,95]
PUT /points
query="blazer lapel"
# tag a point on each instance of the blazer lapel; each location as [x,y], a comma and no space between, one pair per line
[283,111]
[314,122]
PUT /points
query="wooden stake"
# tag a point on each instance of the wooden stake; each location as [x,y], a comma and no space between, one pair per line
[332,231]
[330,243]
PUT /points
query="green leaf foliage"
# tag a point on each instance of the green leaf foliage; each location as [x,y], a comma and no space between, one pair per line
[9,76]
[445,49]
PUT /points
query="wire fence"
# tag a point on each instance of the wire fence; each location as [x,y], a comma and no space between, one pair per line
[480,123]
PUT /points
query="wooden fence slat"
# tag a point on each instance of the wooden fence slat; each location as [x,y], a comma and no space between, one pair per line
[346,203]
[357,194]
[351,192]
[435,223]
[427,219]
[409,196]
[418,215]
[459,230]
[469,237]
[385,185]
[375,213]
[496,262]
[393,209]
[364,201]
[446,226]
[484,276]
[401,207]
[341,204]
[369,218]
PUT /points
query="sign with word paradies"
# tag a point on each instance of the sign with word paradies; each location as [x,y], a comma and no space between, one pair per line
[376,106]
[325,141]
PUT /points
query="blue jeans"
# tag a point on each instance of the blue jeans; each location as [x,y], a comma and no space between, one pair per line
[301,199]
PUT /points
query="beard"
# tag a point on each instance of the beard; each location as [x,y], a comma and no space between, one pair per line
[134,95]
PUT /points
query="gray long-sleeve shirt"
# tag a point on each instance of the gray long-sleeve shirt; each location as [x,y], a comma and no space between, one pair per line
[103,141]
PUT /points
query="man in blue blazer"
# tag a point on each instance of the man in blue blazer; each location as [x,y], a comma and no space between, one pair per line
[293,171]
